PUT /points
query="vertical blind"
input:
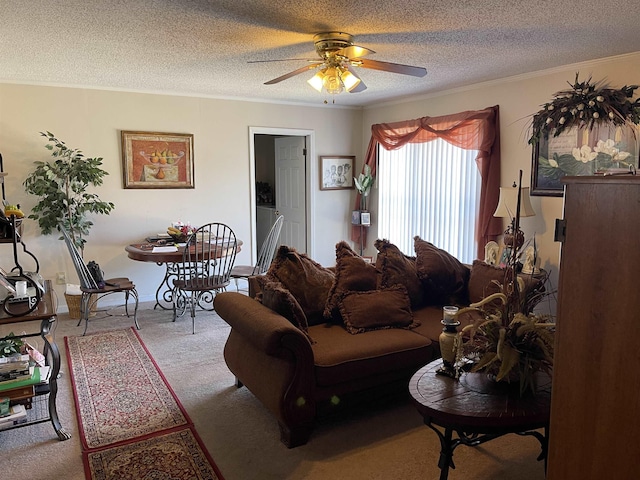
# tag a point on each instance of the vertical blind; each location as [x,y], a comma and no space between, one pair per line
[432,190]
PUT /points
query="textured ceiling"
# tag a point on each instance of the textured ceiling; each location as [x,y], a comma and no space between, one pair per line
[200,47]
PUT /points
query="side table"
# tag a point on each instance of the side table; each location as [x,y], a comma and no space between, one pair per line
[477,410]
[45,312]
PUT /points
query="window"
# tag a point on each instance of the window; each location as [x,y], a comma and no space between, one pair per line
[432,190]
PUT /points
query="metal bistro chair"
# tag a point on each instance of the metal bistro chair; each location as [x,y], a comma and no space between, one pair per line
[206,266]
[91,293]
[265,257]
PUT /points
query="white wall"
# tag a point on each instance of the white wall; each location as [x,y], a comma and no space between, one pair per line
[518,98]
[91,120]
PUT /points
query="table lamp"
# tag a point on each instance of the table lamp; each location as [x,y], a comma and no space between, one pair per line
[514,206]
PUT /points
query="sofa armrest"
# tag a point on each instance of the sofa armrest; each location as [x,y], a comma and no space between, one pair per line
[274,359]
[260,325]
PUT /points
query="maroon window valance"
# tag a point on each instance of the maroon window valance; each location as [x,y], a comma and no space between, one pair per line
[471,130]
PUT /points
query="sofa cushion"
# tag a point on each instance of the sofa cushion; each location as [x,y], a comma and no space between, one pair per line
[308,281]
[396,268]
[444,278]
[352,273]
[340,357]
[276,297]
[377,310]
[484,280]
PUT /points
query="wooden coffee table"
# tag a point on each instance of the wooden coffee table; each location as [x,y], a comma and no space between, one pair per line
[478,410]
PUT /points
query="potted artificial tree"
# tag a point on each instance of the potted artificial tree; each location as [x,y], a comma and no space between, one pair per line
[62,185]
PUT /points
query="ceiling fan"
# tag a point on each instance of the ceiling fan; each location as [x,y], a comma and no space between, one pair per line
[338,55]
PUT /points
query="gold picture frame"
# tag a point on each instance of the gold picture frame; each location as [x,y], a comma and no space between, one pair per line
[157,160]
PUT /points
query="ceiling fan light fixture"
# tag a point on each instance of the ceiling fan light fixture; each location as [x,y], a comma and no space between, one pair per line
[317,81]
[349,80]
[332,82]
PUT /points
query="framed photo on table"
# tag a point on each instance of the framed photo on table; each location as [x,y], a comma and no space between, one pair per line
[157,160]
[336,172]
[580,151]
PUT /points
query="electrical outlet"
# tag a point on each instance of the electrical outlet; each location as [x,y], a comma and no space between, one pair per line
[61,278]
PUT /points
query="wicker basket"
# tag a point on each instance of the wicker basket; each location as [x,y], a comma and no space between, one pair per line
[73,302]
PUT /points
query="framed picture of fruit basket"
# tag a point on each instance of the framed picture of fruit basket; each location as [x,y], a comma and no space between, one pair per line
[157,160]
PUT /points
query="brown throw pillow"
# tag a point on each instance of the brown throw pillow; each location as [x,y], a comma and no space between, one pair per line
[352,274]
[484,280]
[377,309]
[396,268]
[308,281]
[443,276]
[276,297]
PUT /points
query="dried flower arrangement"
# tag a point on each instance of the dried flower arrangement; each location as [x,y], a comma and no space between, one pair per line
[585,104]
[506,340]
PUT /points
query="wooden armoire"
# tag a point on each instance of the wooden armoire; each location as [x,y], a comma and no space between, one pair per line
[595,401]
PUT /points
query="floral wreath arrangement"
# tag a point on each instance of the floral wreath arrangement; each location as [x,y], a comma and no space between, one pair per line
[586,104]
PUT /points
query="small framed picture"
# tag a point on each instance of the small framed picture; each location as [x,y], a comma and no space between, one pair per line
[336,172]
[355,217]
[365,218]
[368,259]
[505,256]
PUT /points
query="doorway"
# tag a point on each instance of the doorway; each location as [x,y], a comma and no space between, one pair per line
[281,173]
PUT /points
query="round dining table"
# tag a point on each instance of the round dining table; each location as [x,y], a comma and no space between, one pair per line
[170,255]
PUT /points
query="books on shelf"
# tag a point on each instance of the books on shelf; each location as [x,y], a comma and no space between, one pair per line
[20,374]
[14,358]
[23,391]
[33,378]
[15,367]
[19,393]
[17,415]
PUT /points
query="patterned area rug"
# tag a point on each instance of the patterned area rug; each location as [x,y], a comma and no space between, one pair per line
[131,423]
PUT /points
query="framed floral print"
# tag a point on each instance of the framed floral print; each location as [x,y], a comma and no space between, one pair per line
[581,151]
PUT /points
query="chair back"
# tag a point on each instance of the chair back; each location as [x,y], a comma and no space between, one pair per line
[86,280]
[208,258]
[268,248]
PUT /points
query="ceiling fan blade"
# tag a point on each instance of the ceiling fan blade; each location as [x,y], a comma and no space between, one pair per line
[391,67]
[284,60]
[293,74]
[355,51]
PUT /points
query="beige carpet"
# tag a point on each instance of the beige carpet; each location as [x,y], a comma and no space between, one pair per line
[243,438]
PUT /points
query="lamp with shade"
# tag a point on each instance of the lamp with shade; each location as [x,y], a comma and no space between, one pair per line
[514,203]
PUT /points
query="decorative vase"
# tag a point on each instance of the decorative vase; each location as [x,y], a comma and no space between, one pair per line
[447,340]
[363,202]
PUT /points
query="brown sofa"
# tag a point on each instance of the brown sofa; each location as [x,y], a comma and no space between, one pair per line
[302,363]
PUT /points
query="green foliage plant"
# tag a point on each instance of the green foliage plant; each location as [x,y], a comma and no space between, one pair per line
[62,185]
[10,345]
[363,183]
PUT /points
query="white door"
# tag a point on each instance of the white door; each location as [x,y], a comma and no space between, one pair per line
[291,191]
